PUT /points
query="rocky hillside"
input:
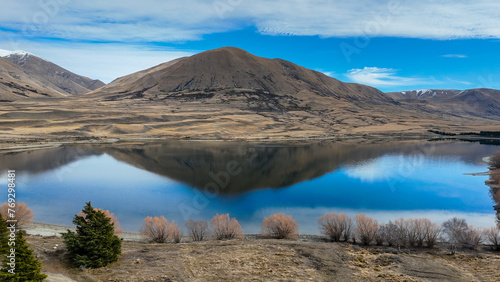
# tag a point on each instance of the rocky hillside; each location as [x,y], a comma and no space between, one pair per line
[481,102]
[15,84]
[232,72]
[50,75]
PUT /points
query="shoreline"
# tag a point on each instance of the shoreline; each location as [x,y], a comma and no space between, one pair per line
[256,258]
[24,143]
[47,230]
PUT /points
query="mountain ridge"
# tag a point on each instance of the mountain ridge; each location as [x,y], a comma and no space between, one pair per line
[16,84]
[229,94]
[50,75]
[231,68]
[481,102]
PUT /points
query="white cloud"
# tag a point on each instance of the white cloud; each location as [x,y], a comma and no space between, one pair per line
[373,170]
[458,56]
[375,76]
[458,81]
[167,21]
[329,73]
[127,25]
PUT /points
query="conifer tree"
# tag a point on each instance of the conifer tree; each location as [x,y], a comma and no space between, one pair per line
[94,243]
[27,267]
[4,237]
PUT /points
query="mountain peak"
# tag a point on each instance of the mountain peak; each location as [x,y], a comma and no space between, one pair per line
[50,75]
[7,53]
[234,72]
[227,50]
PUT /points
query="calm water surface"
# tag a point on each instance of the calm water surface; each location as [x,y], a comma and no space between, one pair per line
[196,180]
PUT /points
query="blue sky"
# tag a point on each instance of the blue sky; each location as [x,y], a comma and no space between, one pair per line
[392,45]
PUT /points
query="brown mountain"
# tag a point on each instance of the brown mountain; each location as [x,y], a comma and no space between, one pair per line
[228,93]
[16,84]
[481,102]
[262,166]
[52,76]
[231,71]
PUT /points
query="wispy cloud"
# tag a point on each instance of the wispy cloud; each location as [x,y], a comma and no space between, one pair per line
[329,73]
[458,81]
[458,56]
[170,21]
[375,76]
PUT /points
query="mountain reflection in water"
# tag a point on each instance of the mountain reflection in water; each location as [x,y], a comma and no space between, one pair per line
[252,180]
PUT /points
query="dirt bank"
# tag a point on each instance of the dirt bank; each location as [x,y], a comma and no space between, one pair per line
[251,259]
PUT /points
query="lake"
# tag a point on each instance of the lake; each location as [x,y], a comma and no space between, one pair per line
[195,180]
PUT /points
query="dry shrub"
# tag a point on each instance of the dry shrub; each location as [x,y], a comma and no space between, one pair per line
[492,236]
[401,232]
[387,233]
[431,232]
[414,234]
[225,227]
[458,232]
[280,226]
[495,176]
[197,230]
[411,232]
[366,229]
[159,230]
[23,214]
[335,226]
[175,232]
[155,229]
[379,237]
[111,216]
[495,160]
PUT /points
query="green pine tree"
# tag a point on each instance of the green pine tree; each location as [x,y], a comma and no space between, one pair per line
[4,237]
[94,243]
[27,266]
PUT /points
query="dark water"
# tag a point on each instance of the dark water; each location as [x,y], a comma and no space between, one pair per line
[196,180]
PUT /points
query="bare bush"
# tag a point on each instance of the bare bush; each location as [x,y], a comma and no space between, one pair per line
[410,232]
[495,160]
[225,227]
[335,226]
[175,232]
[401,232]
[22,213]
[347,228]
[280,226]
[158,229]
[111,216]
[380,238]
[431,232]
[366,228]
[197,230]
[473,237]
[458,232]
[416,232]
[387,233]
[492,236]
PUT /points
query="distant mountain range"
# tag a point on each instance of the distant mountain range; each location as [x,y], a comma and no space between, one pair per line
[228,93]
[32,76]
[481,102]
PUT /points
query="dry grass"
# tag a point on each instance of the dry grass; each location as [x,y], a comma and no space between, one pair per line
[274,260]
[214,119]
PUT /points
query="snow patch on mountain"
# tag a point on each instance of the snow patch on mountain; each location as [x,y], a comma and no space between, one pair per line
[7,53]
